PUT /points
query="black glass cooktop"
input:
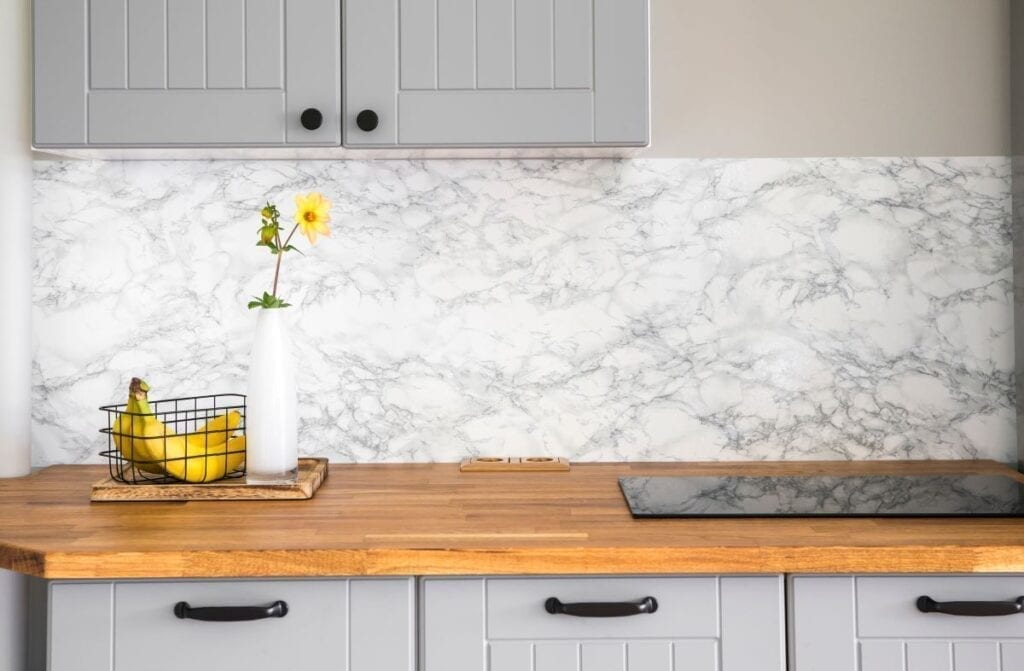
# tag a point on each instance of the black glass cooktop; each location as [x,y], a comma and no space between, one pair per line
[825,496]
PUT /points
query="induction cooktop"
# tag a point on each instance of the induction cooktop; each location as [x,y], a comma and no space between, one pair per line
[824,496]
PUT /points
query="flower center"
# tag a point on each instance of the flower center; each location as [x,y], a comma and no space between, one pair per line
[309,216]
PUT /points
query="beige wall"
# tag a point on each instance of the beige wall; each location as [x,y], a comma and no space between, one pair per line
[1017,71]
[744,78]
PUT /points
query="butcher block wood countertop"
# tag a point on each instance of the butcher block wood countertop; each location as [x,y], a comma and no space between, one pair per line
[377,520]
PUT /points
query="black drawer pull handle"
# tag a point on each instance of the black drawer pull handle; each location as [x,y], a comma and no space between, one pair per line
[183,611]
[647,605]
[926,604]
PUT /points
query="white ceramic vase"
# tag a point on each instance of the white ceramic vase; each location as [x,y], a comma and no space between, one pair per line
[272,407]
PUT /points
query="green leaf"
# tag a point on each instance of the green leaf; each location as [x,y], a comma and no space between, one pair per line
[268,302]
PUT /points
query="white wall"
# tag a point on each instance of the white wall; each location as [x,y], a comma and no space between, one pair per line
[15,294]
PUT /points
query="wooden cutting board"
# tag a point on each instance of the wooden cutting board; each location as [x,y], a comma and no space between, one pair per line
[312,473]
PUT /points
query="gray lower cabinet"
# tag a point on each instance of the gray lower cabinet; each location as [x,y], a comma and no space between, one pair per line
[186,72]
[349,625]
[512,624]
[873,623]
[496,72]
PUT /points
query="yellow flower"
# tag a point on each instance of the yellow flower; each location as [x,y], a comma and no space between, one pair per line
[312,213]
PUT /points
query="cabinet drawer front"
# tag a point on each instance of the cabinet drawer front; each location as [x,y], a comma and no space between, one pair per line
[687,607]
[312,632]
[727,623]
[100,625]
[886,606]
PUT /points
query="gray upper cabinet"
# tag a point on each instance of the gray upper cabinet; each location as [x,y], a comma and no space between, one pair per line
[186,72]
[496,72]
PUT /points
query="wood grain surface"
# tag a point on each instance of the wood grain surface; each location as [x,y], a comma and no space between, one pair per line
[310,476]
[505,464]
[433,520]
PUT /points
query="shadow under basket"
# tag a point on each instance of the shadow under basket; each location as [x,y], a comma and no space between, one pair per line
[196,439]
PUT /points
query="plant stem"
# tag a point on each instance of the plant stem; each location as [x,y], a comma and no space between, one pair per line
[280,253]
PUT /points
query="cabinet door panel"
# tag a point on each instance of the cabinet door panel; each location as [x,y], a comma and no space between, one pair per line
[649,656]
[823,624]
[83,615]
[510,656]
[556,657]
[750,607]
[881,656]
[225,44]
[186,48]
[694,655]
[502,117]
[535,55]
[976,655]
[497,72]
[186,72]
[1012,655]
[620,68]
[313,69]
[147,67]
[456,44]
[929,656]
[453,627]
[188,117]
[61,66]
[371,69]
[382,626]
[108,67]
[574,45]
[263,42]
[496,44]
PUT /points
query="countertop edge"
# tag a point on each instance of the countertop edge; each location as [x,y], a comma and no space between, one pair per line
[515,561]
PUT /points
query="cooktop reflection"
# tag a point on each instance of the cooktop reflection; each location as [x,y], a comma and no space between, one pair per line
[824,496]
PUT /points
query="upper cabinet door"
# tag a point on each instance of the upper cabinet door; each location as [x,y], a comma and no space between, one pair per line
[186,72]
[496,72]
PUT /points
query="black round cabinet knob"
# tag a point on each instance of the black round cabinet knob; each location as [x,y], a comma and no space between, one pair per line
[311,118]
[367,120]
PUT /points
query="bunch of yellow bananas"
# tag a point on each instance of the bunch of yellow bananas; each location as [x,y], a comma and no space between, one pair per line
[204,456]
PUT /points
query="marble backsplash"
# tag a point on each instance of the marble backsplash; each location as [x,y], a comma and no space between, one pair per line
[600,310]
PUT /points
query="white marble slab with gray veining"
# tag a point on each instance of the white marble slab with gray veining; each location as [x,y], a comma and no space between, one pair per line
[594,309]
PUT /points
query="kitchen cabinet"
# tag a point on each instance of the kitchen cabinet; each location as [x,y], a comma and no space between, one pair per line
[186,72]
[265,73]
[873,623]
[303,624]
[562,624]
[496,72]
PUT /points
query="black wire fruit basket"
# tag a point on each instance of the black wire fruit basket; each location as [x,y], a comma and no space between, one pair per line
[195,439]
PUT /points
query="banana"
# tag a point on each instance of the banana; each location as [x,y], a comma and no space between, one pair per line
[213,466]
[220,428]
[193,457]
[122,429]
